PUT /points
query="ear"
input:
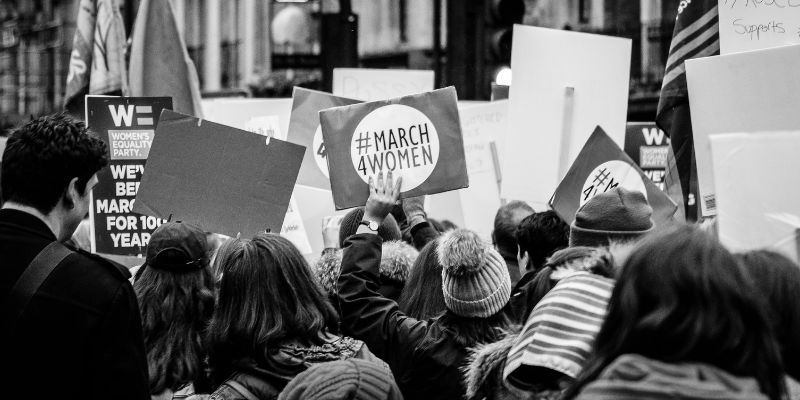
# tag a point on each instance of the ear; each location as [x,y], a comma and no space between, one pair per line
[72,193]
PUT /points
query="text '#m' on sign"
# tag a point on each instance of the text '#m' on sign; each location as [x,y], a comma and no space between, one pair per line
[417,137]
[127,125]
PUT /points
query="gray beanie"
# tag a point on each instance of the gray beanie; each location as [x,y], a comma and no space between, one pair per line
[475,279]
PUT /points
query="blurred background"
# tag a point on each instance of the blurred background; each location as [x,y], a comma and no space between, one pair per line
[262,48]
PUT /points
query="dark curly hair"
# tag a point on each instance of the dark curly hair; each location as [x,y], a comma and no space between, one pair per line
[540,235]
[43,155]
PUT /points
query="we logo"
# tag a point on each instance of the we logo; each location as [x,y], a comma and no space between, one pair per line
[123,115]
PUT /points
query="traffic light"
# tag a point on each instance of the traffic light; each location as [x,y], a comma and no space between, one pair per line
[501,15]
[479,43]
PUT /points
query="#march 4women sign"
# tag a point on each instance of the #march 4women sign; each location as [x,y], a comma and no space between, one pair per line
[417,137]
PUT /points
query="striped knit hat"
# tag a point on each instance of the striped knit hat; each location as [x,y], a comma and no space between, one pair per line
[475,280]
[351,379]
[561,329]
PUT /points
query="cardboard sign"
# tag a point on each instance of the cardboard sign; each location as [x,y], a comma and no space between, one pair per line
[745,92]
[473,207]
[418,137]
[224,179]
[294,229]
[648,146]
[254,115]
[127,125]
[746,25]
[756,191]
[314,205]
[565,84]
[600,167]
[380,84]
[304,129]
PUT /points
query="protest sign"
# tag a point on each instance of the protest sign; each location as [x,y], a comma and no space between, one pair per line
[127,125]
[565,84]
[314,205]
[746,25]
[294,229]
[647,145]
[757,196]
[380,84]
[745,92]
[254,115]
[600,167]
[223,179]
[304,129]
[418,137]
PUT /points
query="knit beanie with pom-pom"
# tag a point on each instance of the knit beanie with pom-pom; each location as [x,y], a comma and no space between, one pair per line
[475,279]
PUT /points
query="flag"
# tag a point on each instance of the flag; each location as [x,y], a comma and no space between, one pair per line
[97,60]
[696,34]
[159,62]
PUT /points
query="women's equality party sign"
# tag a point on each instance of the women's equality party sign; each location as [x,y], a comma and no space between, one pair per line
[416,137]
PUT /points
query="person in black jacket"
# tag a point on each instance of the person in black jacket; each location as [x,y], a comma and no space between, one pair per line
[425,356]
[80,335]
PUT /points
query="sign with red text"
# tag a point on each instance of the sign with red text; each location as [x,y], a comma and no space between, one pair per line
[746,25]
[418,137]
[380,84]
[602,166]
[127,125]
[647,145]
[304,129]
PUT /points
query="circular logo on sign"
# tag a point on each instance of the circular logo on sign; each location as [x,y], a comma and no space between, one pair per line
[609,175]
[397,138]
[320,155]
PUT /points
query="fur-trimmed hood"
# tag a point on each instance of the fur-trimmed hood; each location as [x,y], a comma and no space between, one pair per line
[397,257]
[483,371]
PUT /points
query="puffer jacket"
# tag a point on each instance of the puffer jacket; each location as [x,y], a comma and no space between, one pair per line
[424,356]
[264,381]
[632,376]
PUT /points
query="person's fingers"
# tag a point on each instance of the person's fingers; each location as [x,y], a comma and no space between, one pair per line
[381,188]
[389,181]
[325,222]
[371,185]
[397,185]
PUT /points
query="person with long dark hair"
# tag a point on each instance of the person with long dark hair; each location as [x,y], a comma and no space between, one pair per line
[174,288]
[683,322]
[425,356]
[777,279]
[422,296]
[271,321]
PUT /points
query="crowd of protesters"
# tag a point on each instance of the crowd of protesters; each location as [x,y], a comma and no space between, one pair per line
[397,306]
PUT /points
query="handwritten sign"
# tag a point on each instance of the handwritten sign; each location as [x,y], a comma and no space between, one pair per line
[602,166]
[754,91]
[127,125]
[294,229]
[418,137]
[380,84]
[746,25]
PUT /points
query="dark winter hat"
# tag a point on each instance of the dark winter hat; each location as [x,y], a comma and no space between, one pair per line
[351,379]
[475,279]
[388,230]
[617,212]
[177,247]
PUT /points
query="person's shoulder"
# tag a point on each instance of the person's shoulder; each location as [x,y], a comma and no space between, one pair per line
[104,266]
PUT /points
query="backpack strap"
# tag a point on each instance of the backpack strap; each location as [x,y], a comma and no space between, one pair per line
[29,282]
[241,389]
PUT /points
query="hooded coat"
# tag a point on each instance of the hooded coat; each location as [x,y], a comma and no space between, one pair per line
[266,379]
[634,377]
